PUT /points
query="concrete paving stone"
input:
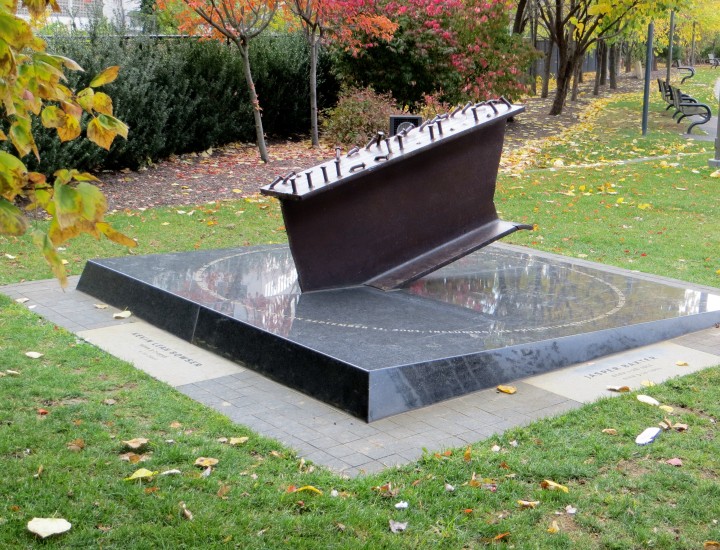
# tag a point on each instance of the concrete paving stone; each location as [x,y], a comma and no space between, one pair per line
[474,418]
[336,465]
[452,442]
[363,430]
[318,456]
[356,459]
[339,451]
[412,454]
[399,432]
[558,409]
[341,435]
[471,436]
[447,425]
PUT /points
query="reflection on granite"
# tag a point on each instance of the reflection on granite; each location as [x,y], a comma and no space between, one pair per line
[497,314]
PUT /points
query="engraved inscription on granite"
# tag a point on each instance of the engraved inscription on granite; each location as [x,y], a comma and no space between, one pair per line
[656,363]
[161,355]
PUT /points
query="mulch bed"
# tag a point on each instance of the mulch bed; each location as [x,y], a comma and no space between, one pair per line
[235,170]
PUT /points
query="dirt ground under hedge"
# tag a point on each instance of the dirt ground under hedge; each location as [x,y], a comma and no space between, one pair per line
[235,170]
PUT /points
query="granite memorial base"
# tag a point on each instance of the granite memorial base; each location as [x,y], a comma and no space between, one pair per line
[499,314]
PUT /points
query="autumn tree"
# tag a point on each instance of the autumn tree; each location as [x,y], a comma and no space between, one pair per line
[31,85]
[235,21]
[343,21]
[455,49]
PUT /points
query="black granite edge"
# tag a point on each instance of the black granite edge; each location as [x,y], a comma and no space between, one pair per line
[302,368]
[651,277]
[158,307]
[434,381]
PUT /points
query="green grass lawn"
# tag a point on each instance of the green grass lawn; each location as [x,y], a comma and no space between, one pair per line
[65,415]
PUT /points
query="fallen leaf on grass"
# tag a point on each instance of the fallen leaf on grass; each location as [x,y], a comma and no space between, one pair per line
[12,372]
[674,462]
[34,354]
[528,504]
[109,401]
[238,440]
[187,514]
[610,431]
[496,448]
[648,400]
[648,383]
[507,389]
[711,545]
[43,412]
[387,490]
[204,462]
[666,408]
[134,458]
[554,528]
[570,510]
[619,389]
[137,443]
[45,527]
[170,473]
[223,491]
[449,488]
[552,486]
[122,315]
[397,526]
[402,505]
[467,455]
[142,473]
[76,445]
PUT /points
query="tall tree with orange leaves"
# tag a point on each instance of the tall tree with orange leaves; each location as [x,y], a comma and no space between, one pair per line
[236,21]
[343,21]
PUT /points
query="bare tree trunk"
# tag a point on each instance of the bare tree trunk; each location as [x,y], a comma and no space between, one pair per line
[564,76]
[520,18]
[577,76]
[628,58]
[313,91]
[598,68]
[603,63]
[613,67]
[546,71]
[259,132]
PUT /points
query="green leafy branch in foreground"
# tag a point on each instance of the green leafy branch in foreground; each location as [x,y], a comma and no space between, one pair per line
[85,437]
[31,85]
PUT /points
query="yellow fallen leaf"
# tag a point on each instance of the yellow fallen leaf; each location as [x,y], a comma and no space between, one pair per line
[666,408]
[711,545]
[610,431]
[205,462]
[33,354]
[122,315]
[507,389]
[620,389]
[715,174]
[525,504]
[310,489]
[648,400]
[681,363]
[467,455]
[554,528]
[142,473]
[648,383]
[552,486]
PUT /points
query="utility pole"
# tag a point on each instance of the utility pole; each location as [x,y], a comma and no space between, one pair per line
[670,45]
[648,72]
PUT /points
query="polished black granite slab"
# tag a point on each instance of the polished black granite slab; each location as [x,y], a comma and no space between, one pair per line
[499,314]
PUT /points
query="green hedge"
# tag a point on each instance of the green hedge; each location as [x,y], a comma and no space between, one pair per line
[181,95]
